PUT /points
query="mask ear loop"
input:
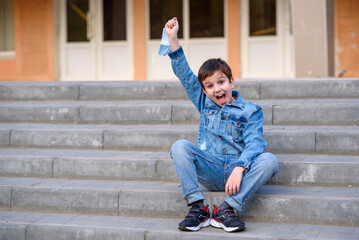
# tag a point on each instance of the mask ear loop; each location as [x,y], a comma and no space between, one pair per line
[155,57]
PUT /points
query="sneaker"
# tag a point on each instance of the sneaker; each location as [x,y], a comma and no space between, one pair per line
[196,218]
[226,219]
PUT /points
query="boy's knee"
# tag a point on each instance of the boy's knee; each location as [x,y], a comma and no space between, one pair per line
[272,162]
[180,147]
[269,162]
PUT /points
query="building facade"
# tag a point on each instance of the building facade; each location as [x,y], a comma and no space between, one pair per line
[46,40]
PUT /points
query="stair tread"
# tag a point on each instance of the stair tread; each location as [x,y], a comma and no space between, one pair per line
[148,155]
[295,169]
[71,103]
[163,228]
[154,127]
[290,191]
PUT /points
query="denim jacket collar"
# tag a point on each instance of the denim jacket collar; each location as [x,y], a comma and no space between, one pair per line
[239,102]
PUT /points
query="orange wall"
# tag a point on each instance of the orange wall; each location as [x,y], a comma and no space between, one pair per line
[233,36]
[7,69]
[139,36]
[346,33]
[34,42]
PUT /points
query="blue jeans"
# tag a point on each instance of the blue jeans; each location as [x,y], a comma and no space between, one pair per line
[195,166]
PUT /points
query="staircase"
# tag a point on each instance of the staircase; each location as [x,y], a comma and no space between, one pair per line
[90,160]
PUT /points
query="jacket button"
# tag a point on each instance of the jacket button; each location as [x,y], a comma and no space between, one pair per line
[223,118]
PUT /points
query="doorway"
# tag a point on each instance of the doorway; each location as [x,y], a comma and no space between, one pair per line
[266,39]
[95,40]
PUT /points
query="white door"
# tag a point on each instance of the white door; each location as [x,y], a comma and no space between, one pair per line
[266,39]
[95,40]
[200,36]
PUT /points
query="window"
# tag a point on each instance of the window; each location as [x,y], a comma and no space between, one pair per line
[160,12]
[114,20]
[6,26]
[262,17]
[206,18]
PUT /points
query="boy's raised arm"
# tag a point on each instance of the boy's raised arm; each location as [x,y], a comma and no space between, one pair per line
[172,27]
[181,68]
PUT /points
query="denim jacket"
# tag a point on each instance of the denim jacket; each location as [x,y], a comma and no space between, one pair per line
[234,131]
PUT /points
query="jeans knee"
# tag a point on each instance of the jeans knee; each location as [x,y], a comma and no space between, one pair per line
[180,146]
[270,162]
[180,150]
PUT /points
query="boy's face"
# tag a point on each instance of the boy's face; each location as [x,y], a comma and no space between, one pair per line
[219,88]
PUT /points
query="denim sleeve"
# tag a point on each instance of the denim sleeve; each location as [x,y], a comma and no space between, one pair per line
[188,79]
[253,139]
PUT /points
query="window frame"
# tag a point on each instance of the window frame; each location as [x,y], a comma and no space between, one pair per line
[9,54]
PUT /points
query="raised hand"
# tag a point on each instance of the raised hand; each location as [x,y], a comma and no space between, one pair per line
[172,27]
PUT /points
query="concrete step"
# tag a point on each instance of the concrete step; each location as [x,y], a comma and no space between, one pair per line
[314,205]
[38,226]
[309,170]
[342,140]
[277,112]
[134,90]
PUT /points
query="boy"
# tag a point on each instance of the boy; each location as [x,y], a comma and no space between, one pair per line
[230,148]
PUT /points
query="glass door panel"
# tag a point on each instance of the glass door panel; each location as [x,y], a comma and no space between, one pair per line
[210,24]
[114,20]
[160,12]
[262,17]
[77,19]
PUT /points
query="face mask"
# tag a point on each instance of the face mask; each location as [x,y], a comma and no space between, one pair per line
[165,44]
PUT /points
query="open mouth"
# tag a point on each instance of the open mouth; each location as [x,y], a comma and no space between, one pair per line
[221,98]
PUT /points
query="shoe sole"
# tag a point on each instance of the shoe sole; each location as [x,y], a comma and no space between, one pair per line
[216,224]
[201,225]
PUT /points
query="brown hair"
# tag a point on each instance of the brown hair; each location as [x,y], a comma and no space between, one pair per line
[212,65]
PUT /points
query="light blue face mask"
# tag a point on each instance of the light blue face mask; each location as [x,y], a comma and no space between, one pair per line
[165,44]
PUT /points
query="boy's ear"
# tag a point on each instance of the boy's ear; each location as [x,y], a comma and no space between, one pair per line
[231,81]
[204,90]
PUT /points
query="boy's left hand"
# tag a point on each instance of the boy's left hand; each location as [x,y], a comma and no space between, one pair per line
[234,181]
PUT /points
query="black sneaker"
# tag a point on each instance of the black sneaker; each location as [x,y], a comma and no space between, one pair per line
[226,219]
[196,218]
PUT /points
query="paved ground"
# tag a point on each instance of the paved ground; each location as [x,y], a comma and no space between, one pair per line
[64,226]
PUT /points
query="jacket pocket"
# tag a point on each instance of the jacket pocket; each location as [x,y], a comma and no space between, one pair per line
[236,128]
[209,118]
